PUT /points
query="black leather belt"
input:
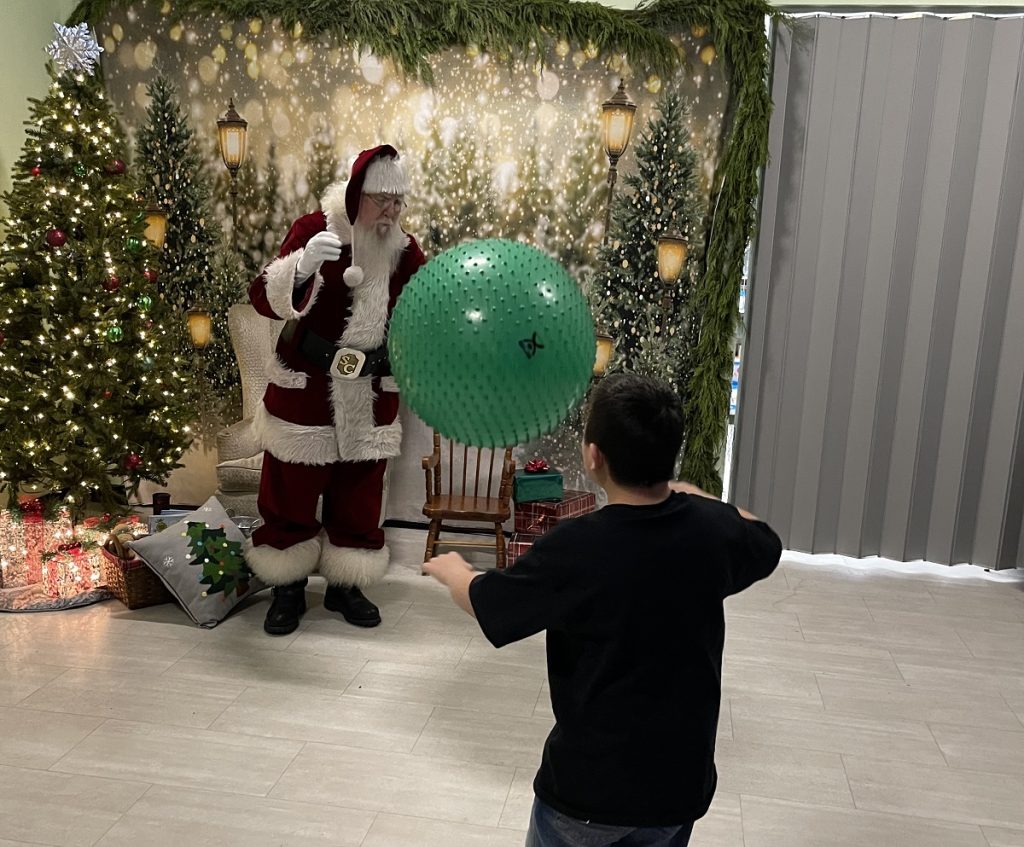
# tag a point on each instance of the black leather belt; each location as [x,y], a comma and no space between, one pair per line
[339,362]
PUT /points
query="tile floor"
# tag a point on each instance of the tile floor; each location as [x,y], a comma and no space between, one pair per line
[859,710]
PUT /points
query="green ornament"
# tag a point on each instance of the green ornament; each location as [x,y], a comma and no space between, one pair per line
[79,169]
[145,302]
[115,334]
[148,362]
[133,243]
[492,343]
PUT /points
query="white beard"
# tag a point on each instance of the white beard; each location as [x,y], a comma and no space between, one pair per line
[378,257]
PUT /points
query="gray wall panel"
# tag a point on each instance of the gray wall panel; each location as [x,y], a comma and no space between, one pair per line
[881,394]
[809,499]
[909,314]
[955,304]
[893,61]
[990,447]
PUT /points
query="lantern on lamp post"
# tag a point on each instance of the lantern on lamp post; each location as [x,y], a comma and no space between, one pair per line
[605,345]
[200,327]
[672,251]
[156,224]
[231,132]
[617,115]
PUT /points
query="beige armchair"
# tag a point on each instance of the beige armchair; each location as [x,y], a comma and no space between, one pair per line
[239,460]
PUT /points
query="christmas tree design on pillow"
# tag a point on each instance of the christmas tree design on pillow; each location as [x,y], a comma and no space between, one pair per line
[224,568]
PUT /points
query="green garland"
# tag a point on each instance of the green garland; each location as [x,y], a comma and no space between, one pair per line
[410,32]
[738,27]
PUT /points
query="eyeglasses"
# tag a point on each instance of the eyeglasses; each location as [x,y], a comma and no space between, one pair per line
[382,201]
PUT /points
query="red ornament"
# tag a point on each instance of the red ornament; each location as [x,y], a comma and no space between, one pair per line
[115,166]
[132,461]
[108,394]
[56,237]
[36,170]
[151,275]
[3,338]
[149,324]
[112,283]
[536,466]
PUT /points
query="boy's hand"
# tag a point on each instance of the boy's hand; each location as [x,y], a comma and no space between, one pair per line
[447,566]
[689,488]
[455,573]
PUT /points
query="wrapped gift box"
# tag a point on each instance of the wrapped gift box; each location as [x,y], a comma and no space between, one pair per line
[518,544]
[538,518]
[542,485]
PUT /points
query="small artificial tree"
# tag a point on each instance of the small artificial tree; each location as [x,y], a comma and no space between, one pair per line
[90,388]
[322,162]
[174,173]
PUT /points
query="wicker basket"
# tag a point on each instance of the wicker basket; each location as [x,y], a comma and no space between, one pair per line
[129,578]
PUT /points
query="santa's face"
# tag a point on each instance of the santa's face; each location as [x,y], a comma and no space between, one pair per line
[380,212]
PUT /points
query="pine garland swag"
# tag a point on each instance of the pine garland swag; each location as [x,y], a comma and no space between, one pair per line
[410,32]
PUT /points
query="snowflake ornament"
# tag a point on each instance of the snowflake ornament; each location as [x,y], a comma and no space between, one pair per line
[168,562]
[74,49]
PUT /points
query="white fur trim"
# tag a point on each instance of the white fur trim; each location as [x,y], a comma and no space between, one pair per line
[282,567]
[353,276]
[333,206]
[358,440]
[279,374]
[279,277]
[295,443]
[352,565]
[385,175]
[368,321]
[387,383]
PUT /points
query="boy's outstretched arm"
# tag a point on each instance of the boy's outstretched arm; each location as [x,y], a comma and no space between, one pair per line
[455,573]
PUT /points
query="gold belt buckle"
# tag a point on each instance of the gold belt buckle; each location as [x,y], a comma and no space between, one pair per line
[347,364]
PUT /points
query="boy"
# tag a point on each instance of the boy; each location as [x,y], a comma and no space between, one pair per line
[631,598]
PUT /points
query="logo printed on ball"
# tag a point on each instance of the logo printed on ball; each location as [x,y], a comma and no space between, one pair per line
[531,346]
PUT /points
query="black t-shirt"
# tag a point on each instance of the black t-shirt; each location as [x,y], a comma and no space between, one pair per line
[631,598]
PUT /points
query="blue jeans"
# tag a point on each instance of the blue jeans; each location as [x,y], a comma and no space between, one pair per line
[550,828]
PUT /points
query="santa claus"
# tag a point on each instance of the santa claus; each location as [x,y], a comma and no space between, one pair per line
[329,419]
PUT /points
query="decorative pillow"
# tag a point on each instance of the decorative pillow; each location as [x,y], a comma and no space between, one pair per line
[200,561]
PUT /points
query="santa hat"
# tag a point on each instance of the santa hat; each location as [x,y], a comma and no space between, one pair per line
[375,171]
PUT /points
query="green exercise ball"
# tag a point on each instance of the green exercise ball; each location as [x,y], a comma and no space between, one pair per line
[492,343]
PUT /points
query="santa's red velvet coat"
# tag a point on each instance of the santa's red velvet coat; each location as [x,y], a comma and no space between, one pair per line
[309,420]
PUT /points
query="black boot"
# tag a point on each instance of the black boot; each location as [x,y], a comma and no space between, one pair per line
[288,607]
[352,604]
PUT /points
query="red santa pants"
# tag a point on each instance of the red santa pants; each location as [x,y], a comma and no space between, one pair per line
[352,493]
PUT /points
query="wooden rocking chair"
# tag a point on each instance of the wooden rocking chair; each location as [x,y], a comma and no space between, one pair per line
[470,501]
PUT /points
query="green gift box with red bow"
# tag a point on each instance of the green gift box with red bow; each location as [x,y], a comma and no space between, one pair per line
[537,482]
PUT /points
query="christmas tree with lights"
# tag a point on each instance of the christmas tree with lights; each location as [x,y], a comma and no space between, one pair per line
[654,325]
[91,391]
[191,276]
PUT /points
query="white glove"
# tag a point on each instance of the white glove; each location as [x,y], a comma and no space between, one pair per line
[323,247]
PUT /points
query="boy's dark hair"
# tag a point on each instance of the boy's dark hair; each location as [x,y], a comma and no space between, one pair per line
[637,423]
